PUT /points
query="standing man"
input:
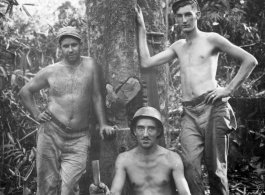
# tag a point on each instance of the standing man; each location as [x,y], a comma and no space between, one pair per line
[64,132]
[149,168]
[208,118]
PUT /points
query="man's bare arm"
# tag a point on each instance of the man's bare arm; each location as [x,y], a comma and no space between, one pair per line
[98,103]
[27,92]
[146,60]
[248,63]
[120,175]
[178,174]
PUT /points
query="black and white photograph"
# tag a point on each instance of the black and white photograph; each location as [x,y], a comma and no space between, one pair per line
[132,97]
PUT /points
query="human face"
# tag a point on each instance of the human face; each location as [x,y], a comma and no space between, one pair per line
[70,49]
[187,18]
[146,132]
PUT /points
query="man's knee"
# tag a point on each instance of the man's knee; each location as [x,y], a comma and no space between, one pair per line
[47,184]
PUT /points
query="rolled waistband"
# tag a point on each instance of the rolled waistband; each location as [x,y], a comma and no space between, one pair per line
[200,99]
[65,128]
[65,135]
[195,101]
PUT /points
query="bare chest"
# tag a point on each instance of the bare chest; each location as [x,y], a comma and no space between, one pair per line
[70,82]
[197,55]
[154,176]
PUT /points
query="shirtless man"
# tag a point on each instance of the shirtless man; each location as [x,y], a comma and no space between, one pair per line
[149,168]
[208,118]
[64,133]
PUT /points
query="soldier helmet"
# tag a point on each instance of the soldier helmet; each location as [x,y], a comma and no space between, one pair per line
[149,112]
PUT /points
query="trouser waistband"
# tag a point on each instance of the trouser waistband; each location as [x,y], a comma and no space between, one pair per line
[200,99]
[195,101]
[65,128]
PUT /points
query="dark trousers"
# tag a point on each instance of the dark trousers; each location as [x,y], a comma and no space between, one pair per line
[205,130]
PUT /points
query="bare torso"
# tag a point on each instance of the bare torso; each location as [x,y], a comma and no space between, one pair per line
[152,175]
[70,90]
[198,65]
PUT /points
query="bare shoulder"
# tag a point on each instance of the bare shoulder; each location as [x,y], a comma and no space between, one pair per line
[215,37]
[125,157]
[172,158]
[177,44]
[49,70]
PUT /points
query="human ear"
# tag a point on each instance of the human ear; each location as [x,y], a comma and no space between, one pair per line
[134,130]
[198,15]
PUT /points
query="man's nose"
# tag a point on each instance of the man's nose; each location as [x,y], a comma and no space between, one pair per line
[184,19]
[145,132]
[70,48]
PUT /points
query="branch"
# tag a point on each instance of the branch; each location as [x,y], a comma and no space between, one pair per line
[254,81]
[260,93]
[26,115]
[29,134]
[250,45]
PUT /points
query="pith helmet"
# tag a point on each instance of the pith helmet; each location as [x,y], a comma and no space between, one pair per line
[149,112]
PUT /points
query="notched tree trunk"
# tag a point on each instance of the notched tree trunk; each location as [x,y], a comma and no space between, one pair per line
[114,45]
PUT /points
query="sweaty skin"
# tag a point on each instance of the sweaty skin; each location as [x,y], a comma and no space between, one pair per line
[150,175]
[73,86]
[149,168]
[198,55]
[198,65]
[70,92]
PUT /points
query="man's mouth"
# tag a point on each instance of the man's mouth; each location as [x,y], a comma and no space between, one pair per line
[145,140]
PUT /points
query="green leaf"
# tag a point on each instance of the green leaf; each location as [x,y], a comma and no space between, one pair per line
[31,4]
[23,61]
[18,156]
[26,11]
[9,145]
[10,137]
[28,58]
[18,142]
[3,72]
[14,154]
[4,1]
[11,151]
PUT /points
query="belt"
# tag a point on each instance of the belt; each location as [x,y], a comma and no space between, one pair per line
[195,101]
[66,129]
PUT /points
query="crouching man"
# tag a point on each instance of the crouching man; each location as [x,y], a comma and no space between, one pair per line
[149,168]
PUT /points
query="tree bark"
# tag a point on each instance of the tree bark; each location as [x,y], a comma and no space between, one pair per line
[114,45]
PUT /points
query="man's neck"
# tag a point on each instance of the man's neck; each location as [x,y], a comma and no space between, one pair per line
[192,35]
[72,64]
[147,152]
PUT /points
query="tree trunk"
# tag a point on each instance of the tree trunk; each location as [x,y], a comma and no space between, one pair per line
[114,45]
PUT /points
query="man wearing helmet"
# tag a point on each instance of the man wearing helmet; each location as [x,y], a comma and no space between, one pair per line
[64,133]
[208,118]
[149,168]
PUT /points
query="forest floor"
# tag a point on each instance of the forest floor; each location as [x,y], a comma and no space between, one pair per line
[241,183]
